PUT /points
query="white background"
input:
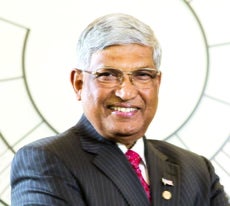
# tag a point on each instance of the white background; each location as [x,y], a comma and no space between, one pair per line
[37,53]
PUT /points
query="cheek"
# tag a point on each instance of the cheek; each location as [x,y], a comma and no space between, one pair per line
[151,101]
[88,95]
[91,95]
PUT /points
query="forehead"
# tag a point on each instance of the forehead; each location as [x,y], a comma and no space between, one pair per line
[123,56]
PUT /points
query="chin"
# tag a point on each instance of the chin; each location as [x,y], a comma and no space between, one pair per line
[128,132]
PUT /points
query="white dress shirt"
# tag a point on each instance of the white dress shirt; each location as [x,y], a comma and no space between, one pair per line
[138,147]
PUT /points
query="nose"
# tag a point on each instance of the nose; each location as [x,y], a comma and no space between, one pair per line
[126,90]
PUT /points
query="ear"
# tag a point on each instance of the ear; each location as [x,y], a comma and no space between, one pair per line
[159,77]
[77,82]
[158,81]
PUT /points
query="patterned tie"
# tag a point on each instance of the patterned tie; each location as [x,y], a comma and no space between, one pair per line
[134,160]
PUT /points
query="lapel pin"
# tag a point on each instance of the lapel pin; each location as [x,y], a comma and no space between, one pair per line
[167,182]
[166,195]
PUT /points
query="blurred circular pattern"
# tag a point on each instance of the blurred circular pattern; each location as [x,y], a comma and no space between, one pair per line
[38,51]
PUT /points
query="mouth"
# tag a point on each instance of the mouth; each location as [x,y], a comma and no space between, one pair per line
[123,109]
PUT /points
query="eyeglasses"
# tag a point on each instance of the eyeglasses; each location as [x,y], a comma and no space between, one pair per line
[141,78]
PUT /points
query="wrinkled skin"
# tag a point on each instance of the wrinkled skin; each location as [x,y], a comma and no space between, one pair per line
[121,113]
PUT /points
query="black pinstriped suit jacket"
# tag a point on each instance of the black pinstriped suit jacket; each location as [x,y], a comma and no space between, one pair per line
[79,167]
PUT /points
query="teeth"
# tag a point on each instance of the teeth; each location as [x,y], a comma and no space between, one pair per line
[123,109]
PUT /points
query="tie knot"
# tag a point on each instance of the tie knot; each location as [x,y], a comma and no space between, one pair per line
[133,158]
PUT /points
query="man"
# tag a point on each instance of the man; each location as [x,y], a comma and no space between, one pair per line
[117,79]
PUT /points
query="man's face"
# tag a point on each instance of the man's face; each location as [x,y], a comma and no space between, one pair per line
[121,113]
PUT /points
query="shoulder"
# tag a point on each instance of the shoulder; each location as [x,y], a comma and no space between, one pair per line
[171,149]
[193,168]
[54,142]
[191,165]
[60,146]
[185,158]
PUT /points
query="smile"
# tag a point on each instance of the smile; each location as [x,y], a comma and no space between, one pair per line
[124,109]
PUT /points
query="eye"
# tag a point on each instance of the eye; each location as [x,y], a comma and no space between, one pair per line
[144,74]
[107,75]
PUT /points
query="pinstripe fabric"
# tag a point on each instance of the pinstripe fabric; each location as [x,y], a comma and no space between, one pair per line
[79,167]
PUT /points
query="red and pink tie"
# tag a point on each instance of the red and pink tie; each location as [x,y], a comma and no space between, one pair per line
[134,160]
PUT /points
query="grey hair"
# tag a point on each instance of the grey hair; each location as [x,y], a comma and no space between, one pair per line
[115,29]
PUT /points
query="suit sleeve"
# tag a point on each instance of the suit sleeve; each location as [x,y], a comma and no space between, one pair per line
[218,196]
[39,178]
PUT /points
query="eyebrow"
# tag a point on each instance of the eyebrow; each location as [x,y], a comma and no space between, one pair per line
[135,68]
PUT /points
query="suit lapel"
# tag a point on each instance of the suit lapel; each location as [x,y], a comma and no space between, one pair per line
[164,177]
[112,162]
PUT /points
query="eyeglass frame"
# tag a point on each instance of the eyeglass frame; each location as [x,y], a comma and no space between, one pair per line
[121,77]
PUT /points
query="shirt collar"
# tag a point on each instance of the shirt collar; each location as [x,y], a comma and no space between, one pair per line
[138,147]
